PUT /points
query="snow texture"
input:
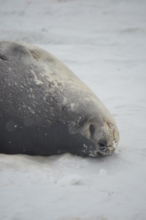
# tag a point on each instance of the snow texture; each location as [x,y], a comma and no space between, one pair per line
[104,43]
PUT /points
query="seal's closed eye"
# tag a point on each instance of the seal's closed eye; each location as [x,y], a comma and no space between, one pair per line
[92,129]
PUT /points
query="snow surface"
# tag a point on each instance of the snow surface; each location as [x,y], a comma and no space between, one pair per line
[104,43]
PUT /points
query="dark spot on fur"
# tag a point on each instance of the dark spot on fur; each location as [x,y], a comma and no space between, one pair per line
[2,57]
[83,121]
[59,84]
[35,54]
[63,108]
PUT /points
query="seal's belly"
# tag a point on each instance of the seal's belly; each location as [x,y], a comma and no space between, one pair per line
[19,138]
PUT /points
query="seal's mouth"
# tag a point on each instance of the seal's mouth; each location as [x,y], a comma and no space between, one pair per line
[102,152]
[106,150]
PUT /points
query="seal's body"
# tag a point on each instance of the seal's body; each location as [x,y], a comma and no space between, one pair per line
[45,109]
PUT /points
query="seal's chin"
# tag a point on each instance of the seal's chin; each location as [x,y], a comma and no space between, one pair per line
[105,152]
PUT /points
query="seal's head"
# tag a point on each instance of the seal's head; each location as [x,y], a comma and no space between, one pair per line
[103,134]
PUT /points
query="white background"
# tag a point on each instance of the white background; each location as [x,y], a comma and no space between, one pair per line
[104,43]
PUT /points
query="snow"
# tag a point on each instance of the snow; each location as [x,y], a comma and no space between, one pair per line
[103,43]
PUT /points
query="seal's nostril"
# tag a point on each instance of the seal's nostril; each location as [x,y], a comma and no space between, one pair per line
[102,145]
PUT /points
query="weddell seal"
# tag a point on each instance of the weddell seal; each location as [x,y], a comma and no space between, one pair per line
[45,109]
